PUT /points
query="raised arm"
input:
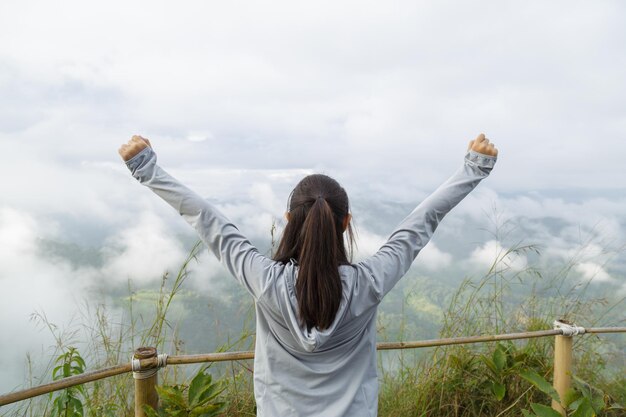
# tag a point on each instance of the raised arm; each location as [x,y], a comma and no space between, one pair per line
[235,252]
[394,258]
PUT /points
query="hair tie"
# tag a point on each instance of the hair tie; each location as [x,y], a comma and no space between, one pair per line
[320,196]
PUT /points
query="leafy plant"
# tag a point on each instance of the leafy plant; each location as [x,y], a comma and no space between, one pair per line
[199,399]
[582,400]
[504,362]
[68,402]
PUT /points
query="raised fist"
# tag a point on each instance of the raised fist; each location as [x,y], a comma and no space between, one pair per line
[135,145]
[482,145]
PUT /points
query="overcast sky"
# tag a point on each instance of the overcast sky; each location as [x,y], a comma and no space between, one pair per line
[241,99]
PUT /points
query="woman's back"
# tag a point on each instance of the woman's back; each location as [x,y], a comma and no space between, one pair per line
[303,369]
[300,372]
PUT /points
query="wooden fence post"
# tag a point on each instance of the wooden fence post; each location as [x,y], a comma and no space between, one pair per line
[562,369]
[145,381]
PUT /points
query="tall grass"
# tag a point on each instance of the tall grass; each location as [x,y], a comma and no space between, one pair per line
[466,380]
[462,380]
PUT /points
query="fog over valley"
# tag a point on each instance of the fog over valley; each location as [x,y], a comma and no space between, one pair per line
[241,100]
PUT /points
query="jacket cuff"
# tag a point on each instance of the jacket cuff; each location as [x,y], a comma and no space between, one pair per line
[139,160]
[480,159]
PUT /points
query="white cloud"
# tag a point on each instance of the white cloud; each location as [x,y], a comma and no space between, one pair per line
[492,251]
[204,273]
[368,243]
[143,251]
[379,96]
[31,282]
[263,195]
[199,136]
[29,275]
[382,97]
[594,272]
[36,281]
[433,258]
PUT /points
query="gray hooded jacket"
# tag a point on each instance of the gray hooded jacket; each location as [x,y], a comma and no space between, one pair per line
[300,372]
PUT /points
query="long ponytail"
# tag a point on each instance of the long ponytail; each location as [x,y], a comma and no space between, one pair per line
[318,288]
[314,238]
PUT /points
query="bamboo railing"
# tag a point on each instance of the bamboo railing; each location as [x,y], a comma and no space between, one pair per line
[146,363]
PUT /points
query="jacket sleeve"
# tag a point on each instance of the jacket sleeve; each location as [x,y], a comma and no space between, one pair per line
[385,268]
[234,251]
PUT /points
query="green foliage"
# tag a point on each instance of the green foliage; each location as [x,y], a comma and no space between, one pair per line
[582,400]
[503,379]
[199,399]
[587,400]
[543,411]
[502,364]
[540,383]
[507,379]
[68,402]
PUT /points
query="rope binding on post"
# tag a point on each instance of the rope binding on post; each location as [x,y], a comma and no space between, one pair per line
[568,329]
[139,373]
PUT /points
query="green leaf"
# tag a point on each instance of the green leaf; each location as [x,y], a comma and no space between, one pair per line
[60,358]
[499,358]
[597,403]
[490,364]
[56,408]
[498,390]
[574,405]
[199,384]
[520,357]
[584,387]
[208,410]
[541,383]
[544,410]
[149,411]
[528,413]
[80,362]
[583,409]
[462,362]
[55,373]
[593,394]
[172,396]
[571,395]
[210,393]
[202,389]
[76,406]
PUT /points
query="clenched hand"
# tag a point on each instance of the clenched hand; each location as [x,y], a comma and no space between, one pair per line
[482,145]
[135,145]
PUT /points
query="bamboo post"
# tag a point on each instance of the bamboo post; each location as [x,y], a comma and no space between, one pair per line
[162,360]
[145,381]
[562,368]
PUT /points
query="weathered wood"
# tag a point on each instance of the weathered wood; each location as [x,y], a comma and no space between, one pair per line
[210,357]
[606,330]
[562,369]
[145,381]
[64,383]
[464,340]
[234,356]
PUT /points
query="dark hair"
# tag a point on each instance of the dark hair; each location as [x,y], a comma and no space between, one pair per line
[313,237]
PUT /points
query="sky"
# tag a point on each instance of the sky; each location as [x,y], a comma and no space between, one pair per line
[241,99]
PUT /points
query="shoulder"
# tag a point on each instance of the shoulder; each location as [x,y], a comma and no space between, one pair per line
[356,278]
[279,283]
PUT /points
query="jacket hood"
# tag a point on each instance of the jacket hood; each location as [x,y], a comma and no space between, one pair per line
[303,339]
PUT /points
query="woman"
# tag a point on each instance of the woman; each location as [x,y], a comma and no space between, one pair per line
[315,352]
